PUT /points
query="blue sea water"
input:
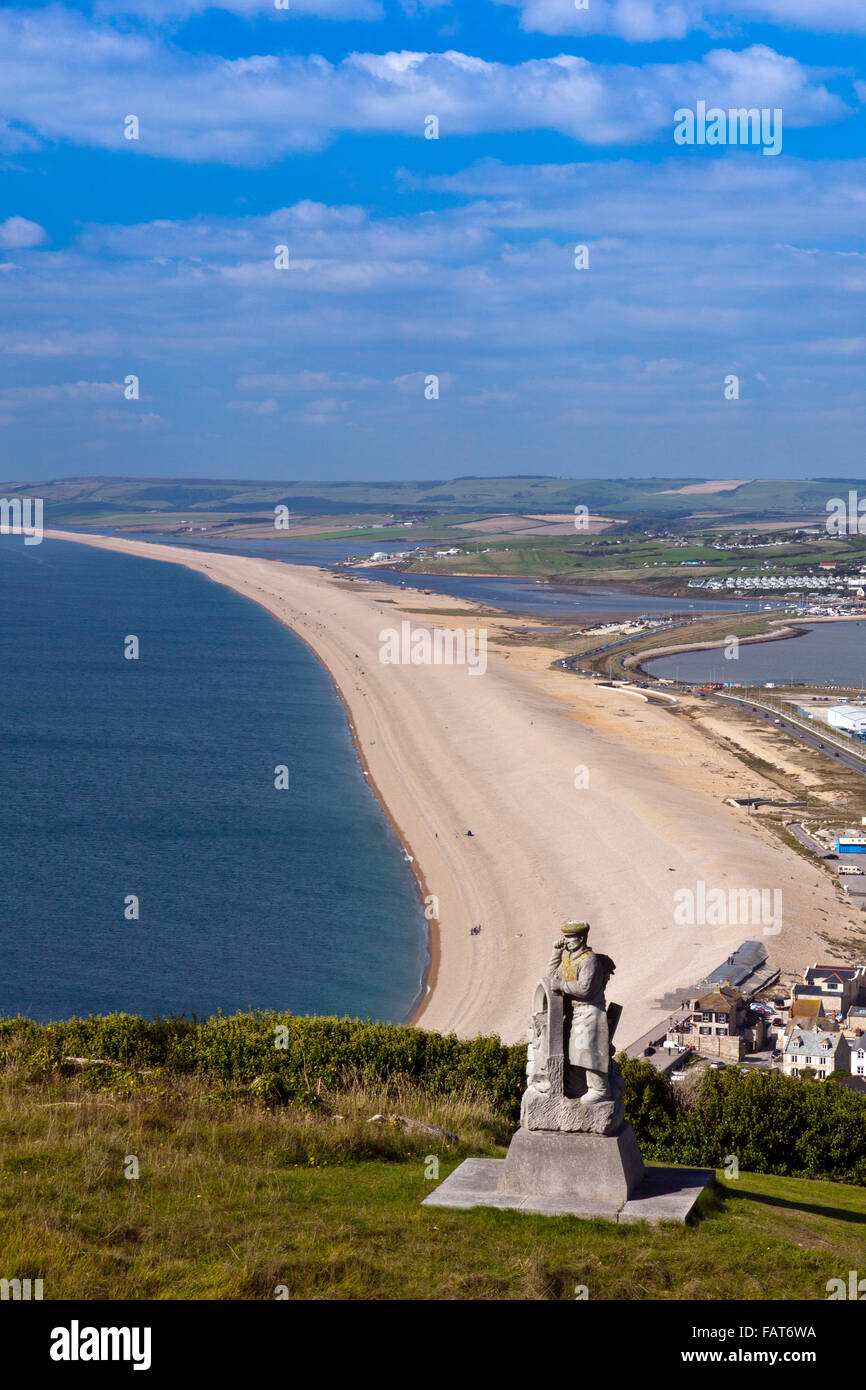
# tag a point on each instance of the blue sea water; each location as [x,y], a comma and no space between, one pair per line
[155,778]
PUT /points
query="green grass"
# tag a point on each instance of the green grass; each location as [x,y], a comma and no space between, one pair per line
[234,1199]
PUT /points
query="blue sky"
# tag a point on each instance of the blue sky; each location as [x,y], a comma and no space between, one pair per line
[411,256]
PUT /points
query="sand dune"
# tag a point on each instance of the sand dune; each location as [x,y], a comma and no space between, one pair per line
[501,754]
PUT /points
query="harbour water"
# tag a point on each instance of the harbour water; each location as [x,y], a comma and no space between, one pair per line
[826,654]
[513,595]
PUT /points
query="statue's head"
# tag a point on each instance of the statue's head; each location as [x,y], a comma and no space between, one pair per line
[575,934]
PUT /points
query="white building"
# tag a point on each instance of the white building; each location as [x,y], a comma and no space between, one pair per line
[851,719]
[823,1052]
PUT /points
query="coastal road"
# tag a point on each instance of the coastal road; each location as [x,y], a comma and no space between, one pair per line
[789,726]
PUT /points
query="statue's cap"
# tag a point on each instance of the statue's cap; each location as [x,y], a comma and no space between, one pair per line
[575,928]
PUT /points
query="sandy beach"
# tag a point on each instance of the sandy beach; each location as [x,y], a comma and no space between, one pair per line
[583,802]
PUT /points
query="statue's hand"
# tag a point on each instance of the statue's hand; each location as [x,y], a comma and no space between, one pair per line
[559,944]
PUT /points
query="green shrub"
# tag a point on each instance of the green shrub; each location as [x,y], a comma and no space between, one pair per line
[773,1124]
[649,1102]
[284,1058]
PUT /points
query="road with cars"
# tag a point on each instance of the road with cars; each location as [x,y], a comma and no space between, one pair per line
[796,730]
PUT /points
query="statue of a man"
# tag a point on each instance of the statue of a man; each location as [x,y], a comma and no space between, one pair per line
[580,975]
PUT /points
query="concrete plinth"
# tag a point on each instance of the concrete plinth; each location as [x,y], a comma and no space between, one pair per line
[664,1194]
[604,1168]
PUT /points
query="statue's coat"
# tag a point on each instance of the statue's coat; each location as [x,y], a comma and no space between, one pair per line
[582,980]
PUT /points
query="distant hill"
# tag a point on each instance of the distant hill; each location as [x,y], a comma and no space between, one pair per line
[95,500]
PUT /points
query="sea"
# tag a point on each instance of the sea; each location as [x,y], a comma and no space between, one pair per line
[149,861]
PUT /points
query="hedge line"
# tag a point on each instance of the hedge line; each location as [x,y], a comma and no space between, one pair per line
[289,1058]
[771,1123]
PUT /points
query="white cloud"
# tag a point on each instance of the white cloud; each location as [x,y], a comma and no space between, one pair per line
[267,407]
[77,82]
[160,10]
[59,343]
[17,234]
[646,21]
[303,381]
[413,383]
[738,200]
[63,391]
[700,266]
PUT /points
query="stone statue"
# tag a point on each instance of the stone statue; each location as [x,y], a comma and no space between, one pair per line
[573,1083]
[574,1152]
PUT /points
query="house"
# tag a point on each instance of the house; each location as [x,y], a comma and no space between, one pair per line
[720,1025]
[822,1051]
[719,1013]
[839,986]
[857,1054]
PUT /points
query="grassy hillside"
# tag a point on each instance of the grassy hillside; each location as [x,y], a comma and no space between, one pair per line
[91,501]
[241,1191]
[233,1201]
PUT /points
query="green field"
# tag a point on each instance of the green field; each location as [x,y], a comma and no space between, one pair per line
[636,560]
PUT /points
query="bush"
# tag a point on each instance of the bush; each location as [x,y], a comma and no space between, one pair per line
[774,1124]
[649,1101]
[281,1057]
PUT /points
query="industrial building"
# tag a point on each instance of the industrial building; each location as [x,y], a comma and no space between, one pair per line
[851,719]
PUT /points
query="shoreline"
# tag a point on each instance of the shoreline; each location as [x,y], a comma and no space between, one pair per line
[444,751]
[430,972]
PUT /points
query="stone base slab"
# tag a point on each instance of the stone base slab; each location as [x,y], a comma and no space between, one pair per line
[604,1168]
[664,1194]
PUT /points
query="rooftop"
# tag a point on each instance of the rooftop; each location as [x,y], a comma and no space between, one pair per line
[722,998]
[824,972]
[803,1041]
[805,1008]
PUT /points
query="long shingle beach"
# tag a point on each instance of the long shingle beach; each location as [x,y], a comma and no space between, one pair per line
[501,754]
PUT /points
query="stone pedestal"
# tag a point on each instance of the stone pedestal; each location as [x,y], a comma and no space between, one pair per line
[595,1168]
